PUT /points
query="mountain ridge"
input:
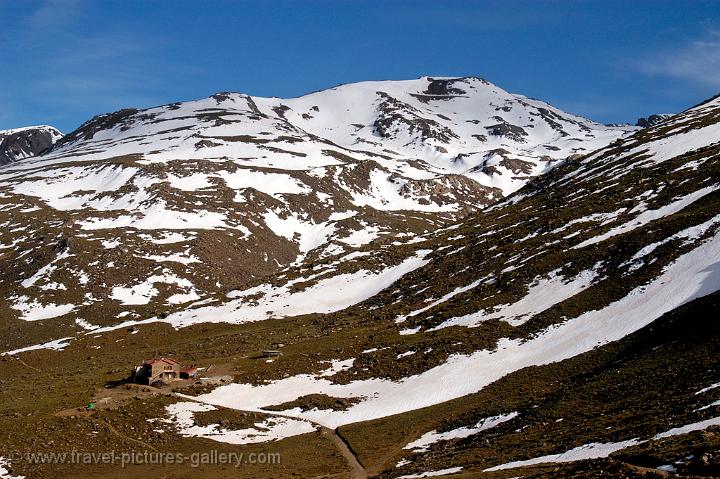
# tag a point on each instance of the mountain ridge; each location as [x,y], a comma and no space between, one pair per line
[269,182]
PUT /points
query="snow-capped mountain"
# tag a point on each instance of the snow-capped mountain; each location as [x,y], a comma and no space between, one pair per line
[419,130]
[567,330]
[20,143]
[160,207]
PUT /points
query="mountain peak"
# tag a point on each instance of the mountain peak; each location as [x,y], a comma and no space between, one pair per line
[451,124]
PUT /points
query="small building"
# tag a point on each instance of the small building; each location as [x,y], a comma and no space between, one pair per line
[189,372]
[157,369]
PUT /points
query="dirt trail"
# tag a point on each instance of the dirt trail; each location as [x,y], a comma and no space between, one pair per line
[26,364]
[125,436]
[357,469]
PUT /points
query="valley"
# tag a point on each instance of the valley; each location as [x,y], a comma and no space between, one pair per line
[393,279]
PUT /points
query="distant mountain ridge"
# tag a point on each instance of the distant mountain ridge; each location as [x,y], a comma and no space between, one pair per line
[464,126]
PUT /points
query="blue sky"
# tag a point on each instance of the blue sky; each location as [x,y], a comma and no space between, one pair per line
[63,61]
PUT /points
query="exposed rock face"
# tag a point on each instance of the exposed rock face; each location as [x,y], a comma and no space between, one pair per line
[21,143]
[507,130]
[397,117]
[652,120]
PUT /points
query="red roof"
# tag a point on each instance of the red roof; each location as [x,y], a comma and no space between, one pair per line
[161,360]
[191,369]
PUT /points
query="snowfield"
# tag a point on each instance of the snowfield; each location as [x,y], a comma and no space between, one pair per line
[542,294]
[271,429]
[56,345]
[327,295]
[4,473]
[682,281]
[651,215]
[593,450]
[143,292]
[33,310]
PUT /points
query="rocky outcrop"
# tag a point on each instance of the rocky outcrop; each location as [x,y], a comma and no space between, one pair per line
[507,130]
[652,120]
[26,142]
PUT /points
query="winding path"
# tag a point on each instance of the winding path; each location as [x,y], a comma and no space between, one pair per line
[356,468]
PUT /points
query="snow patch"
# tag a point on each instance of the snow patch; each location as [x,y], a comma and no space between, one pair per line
[32,310]
[541,296]
[422,444]
[270,429]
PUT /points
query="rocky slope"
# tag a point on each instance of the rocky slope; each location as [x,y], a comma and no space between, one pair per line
[21,143]
[138,212]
